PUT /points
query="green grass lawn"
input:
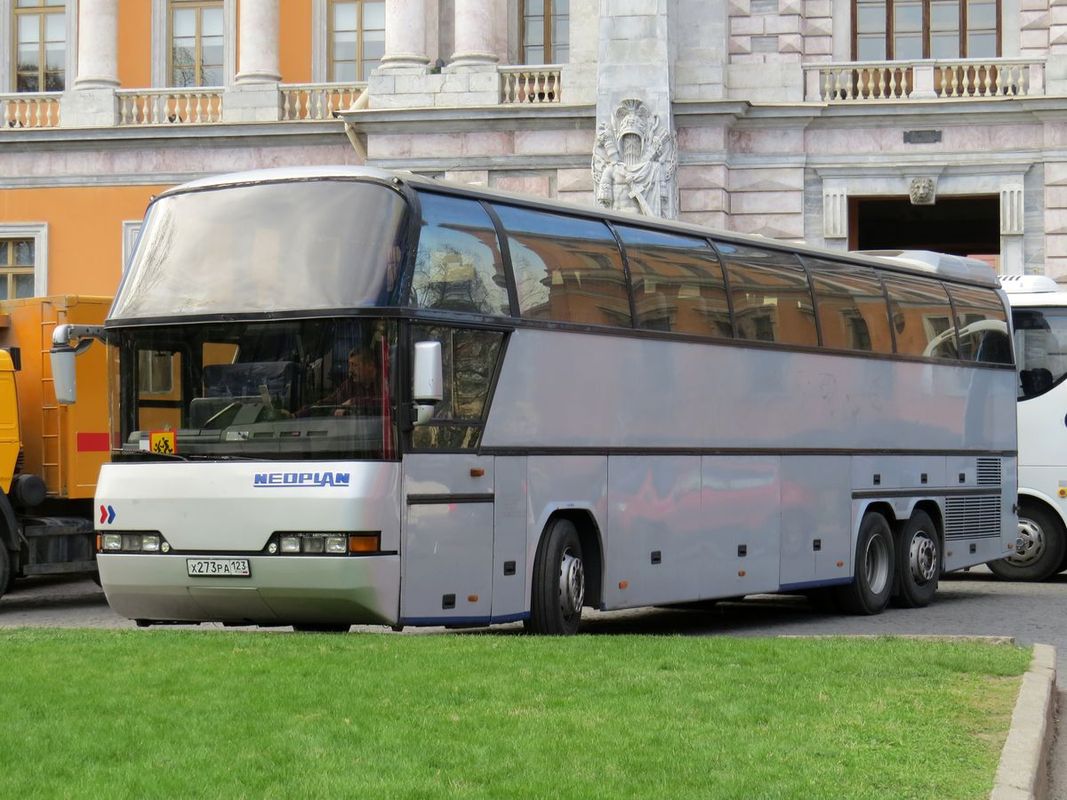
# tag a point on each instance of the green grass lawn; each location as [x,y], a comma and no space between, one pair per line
[225,714]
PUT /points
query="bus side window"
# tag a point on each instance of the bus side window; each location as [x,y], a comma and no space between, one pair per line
[458,266]
[983,325]
[567,269]
[1040,349]
[922,317]
[770,293]
[469,360]
[853,314]
[677,283]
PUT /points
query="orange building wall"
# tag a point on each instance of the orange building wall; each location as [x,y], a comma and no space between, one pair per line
[84,231]
[135,44]
[294,45]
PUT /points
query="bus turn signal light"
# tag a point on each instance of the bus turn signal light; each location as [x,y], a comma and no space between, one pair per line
[364,542]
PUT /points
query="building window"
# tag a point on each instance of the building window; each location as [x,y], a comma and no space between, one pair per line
[197,33]
[40,45]
[905,30]
[545,31]
[17,260]
[356,39]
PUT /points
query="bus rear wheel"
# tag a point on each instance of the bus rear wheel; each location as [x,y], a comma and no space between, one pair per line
[558,582]
[918,562]
[872,582]
[1039,550]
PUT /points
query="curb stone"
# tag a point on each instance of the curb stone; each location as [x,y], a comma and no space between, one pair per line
[1023,770]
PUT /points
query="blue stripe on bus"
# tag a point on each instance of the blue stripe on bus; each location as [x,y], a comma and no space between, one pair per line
[792,587]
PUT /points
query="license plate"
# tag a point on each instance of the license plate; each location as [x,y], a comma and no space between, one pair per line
[219,567]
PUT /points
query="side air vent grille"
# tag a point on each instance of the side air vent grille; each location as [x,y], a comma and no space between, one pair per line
[972,517]
[989,472]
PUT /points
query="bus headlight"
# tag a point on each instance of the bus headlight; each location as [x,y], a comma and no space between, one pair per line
[332,543]
[112,541]
[336,544]
[290,544]
[131,543]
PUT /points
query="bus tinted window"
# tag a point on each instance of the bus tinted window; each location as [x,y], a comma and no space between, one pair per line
[982,324]
[853,314]
[567,269]
[922,317]
[469,358]
[458,265]
[1040,348]
[770,293]
[677,283]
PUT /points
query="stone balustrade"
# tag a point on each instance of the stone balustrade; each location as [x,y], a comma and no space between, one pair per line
[525,84]
[317,101]
[24,110]
[864,81]
[169,106]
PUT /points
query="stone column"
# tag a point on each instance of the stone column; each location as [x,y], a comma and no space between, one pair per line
[405,36]
[474,34]
[91,101]
[97,45]
[254,96]
[258,42]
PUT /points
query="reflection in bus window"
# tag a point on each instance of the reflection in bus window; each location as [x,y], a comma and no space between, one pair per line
[1040,349]
[458,265]
[852,308]
[922,317]
[982,324]
[770,293]
[468,360]
[677,283]
[567,269]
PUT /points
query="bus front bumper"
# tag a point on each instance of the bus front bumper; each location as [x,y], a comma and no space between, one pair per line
[278,591]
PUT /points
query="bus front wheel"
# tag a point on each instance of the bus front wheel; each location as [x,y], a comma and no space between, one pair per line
[1039,550]
[873,576]
[558,582]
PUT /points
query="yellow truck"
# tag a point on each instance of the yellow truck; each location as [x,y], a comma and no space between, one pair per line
[50,455]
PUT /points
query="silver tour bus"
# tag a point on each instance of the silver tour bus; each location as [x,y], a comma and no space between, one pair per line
[341,395]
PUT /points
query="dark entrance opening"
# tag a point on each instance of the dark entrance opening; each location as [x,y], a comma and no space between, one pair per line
[963,226]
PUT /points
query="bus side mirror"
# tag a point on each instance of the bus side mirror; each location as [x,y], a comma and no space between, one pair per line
[426,380]
[63,375]
[63,355]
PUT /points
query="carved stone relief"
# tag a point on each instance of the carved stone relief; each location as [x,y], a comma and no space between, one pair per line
[634,162]
[923,191]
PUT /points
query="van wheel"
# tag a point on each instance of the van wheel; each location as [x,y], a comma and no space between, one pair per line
[918,562]
[5,569]
[558,582]
[1039,550]
[872,582]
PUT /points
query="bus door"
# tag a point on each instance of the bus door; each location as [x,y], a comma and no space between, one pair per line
[447,550]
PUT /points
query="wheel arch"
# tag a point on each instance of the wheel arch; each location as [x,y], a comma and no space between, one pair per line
[1034,496]
[589,536]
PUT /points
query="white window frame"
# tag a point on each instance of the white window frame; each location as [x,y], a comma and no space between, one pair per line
[131,229]
[7,57]
[161,43]
[38,231]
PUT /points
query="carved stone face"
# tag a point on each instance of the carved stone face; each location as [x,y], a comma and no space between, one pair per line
[631,149]
[921,191]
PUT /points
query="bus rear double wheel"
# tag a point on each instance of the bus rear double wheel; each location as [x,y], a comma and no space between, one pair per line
[872,584]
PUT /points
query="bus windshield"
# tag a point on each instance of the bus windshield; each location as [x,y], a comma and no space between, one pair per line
[318,388]
[317,244]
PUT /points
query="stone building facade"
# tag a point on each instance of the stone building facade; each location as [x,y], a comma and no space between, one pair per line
[851,124]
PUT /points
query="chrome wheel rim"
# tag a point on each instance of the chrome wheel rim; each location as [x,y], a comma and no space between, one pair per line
[571,584]
[1030,545]
[876,564]
[923,558]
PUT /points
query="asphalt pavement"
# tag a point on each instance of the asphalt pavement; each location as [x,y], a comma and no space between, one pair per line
[970,604]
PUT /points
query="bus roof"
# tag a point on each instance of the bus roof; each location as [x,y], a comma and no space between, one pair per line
[1033,290]
[913,261]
